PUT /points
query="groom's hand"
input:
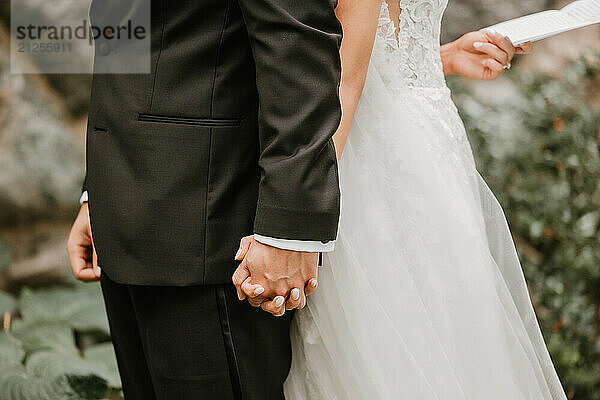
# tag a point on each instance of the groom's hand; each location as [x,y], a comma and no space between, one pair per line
[80,246]
[268,276]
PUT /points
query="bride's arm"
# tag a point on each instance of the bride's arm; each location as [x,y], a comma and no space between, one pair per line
[480,55]
[359,24]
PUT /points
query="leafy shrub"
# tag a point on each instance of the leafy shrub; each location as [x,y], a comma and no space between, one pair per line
[39,355]
[539,151]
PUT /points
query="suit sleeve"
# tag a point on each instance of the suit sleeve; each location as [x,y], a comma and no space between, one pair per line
[295,45]
[84,184]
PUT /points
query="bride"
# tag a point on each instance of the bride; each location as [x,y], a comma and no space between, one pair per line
[423,297]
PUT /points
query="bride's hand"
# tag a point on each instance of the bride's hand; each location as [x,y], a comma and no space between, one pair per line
[480,55]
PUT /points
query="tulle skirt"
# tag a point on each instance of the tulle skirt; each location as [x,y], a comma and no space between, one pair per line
[424,296]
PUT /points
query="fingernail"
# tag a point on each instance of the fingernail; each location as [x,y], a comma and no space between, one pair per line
[477,44]
[237,255]
[97,271]
[259,290]
[279,301]
[295,294]
[314,283]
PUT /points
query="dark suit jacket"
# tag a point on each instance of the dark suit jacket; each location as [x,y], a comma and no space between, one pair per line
[228,135]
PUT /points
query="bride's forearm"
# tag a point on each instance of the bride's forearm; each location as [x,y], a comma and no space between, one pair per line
[446,52]
[359,22]
[349,97]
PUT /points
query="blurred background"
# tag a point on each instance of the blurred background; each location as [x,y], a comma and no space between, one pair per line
[535,133]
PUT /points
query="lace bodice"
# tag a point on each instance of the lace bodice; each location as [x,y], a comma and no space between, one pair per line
[407,51]
[406,60]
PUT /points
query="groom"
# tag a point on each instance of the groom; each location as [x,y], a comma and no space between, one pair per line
[229,135]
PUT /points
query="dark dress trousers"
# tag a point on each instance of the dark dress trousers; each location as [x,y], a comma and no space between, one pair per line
[195,343]
[229,134]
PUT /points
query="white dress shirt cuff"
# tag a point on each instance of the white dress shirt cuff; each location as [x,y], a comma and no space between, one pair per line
[84,197]
[311,246]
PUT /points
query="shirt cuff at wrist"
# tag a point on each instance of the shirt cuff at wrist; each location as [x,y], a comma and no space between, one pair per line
[312,246]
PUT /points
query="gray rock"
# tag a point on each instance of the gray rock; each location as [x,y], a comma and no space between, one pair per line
[74,88]
[41,159]
[61,13]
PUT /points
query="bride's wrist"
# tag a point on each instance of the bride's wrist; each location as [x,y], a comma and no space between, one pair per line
[447,53]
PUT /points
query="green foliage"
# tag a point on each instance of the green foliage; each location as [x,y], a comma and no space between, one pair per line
[11,350]
[78,307]
[539,151]
[102,356]
[7,303]
[44,335]
[16,383]
[40,358]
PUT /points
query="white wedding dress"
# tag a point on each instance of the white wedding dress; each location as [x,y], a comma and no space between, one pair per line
[423,297]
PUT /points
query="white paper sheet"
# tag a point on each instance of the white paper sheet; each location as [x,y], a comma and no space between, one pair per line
[544,24]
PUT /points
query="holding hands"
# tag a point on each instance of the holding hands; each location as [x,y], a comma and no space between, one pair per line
[278,280]
[274,279]
[482,55]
